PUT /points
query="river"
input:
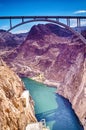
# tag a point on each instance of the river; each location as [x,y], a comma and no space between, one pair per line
[52,107]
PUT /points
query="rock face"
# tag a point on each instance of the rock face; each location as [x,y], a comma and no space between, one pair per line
[40,49]
[74,87]
[16,108]
[9,41]
[55,56]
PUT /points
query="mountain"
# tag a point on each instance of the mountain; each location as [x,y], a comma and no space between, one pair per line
[42,49]
[9,41]
[55,56]
[16,105]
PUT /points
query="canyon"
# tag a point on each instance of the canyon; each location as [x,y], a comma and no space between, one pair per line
[54,56]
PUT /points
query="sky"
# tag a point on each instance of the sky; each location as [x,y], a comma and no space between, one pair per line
[40,7]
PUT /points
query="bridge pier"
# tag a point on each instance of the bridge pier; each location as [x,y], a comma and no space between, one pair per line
[68,22]
[57,19]
[10,23]
[78,22]
[22,20]
[78,25]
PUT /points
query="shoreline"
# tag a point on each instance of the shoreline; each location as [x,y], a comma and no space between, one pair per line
[46,82]
[56,86]
[39,84]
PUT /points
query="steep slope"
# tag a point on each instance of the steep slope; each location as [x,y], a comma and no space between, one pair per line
[9,41]
[16,105]
[54,56]
[43,48]
[74,87]
[42,43]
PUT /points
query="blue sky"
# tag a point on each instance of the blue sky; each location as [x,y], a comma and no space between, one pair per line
[40,7]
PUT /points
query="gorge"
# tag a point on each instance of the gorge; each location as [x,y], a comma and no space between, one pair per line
[54,56]
[52,107]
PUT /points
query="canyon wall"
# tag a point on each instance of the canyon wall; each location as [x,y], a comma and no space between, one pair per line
[57,57]
[16,104]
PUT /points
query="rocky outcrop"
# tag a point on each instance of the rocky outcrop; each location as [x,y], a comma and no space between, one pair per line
[54,56]
[16,104]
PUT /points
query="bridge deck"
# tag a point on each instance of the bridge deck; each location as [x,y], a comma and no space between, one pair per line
[52,19]
[63,17]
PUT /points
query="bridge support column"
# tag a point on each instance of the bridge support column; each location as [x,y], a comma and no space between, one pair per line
[57,19]
[22,20]
[10,23]
[68,22]
[78,25]
[78,22]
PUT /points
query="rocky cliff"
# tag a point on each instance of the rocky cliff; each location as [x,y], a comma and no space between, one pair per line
[16,104]
[54,56]
[9,41]
[74,86]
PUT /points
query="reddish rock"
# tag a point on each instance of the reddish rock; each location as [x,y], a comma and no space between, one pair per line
[59,57]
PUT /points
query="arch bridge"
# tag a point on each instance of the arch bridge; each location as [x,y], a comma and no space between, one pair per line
[52,19]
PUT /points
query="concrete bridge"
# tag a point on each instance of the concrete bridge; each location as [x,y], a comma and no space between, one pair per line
[55,19]
[52,19]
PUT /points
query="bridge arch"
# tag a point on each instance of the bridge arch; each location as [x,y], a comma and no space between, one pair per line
[50,21]
[41,20]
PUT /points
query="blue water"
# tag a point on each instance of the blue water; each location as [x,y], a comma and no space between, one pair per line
[56,110]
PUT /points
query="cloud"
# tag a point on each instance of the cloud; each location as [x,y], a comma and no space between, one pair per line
[80,12]
[5,27]
[19,31]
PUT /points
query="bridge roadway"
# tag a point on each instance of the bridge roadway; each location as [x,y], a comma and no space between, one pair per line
[52,19]
[56,18]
